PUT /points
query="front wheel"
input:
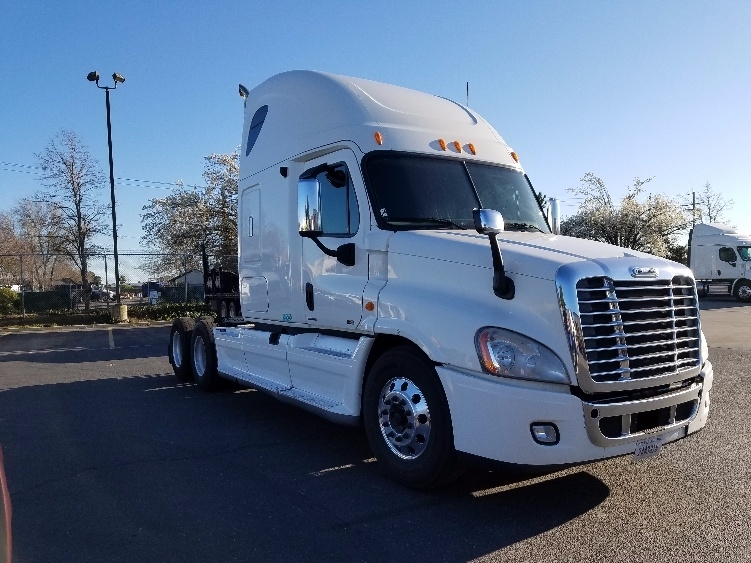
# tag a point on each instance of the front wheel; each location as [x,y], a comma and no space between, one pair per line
[743,291]
[407,420]
[203,355]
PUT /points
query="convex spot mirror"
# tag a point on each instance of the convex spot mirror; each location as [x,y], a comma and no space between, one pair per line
[488,221]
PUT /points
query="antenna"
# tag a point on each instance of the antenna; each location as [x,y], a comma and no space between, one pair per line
[467,93]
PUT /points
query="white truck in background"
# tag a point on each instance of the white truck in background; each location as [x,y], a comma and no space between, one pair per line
[720,259]
[396,271]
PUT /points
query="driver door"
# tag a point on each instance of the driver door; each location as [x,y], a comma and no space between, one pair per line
[331,291]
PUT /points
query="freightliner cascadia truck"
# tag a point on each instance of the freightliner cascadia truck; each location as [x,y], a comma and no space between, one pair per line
[395,270]
[720,259]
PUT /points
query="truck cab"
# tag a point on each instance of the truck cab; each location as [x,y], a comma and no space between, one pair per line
[396,271]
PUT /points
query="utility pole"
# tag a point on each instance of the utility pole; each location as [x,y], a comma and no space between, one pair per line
[693,212]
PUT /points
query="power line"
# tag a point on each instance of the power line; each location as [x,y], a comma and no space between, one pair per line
[132,182]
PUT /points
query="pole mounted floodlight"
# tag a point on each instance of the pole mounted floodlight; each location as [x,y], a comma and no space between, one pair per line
[93,76]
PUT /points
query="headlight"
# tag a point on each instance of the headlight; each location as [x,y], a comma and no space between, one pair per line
[704,350]
[510,354]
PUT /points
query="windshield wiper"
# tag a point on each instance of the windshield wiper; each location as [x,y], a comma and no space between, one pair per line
[422,220]
[524,227]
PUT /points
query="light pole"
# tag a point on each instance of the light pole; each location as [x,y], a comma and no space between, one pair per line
[93,76]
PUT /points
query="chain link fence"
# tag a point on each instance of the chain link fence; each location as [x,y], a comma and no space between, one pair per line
[38,283]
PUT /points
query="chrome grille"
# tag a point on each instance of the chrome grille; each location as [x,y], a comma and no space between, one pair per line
[638,329]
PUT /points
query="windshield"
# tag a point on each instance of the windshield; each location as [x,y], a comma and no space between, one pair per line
[419,192]
[745,253]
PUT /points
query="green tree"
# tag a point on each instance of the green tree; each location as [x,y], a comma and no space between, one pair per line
[541,198]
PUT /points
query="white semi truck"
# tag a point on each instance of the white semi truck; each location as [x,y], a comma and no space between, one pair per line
[396,271]
[720,259]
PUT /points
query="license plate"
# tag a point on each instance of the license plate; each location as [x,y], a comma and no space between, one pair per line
[649,447]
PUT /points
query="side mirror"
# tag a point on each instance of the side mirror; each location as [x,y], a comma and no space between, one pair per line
[309,207]
[490,222]
[554,215]
[309,220]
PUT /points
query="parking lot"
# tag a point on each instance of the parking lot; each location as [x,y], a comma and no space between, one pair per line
[109,458]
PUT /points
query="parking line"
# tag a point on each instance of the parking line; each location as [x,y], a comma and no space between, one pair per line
[112,339]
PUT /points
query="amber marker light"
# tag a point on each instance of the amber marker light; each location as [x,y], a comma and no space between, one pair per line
[442,144]
[471,148]
[458,146]
[378,137]
[514,156]
[369,306]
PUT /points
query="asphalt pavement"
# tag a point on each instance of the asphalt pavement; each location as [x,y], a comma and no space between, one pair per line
[109,458]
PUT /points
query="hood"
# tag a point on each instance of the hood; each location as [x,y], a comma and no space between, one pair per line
[532,254]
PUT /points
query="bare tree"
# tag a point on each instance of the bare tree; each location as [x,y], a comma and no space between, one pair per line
[72,178]
[11,246]
[649,224]
[707,205]
[40,226]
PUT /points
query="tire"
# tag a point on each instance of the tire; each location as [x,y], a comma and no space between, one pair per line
[203,355]
[702,289]
[743,291]
[178,350]
[407,420]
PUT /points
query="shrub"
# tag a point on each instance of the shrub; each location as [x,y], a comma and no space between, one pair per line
[10,302]
[168,311]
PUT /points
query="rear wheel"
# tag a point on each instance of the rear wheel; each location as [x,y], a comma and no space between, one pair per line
[407,420]
[743,291]
[179,347]
[203,355]
[702,289]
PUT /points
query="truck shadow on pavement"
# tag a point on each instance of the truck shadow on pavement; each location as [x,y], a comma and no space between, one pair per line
[144,468]
[715,302]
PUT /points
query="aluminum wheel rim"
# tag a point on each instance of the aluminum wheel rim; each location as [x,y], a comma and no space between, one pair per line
[404,418]
[744,292]
[199,356]
[177,349]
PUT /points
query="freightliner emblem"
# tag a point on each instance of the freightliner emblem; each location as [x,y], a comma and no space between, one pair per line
[637,272]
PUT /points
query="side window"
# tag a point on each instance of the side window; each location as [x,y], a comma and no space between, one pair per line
[255,128]
[339,213]
[727,255]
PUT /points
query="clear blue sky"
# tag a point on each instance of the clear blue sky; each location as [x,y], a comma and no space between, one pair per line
[621,89]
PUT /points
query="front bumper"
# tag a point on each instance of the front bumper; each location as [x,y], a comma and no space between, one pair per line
[492,418]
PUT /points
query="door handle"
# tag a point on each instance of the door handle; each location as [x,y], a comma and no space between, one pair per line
[309,296]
